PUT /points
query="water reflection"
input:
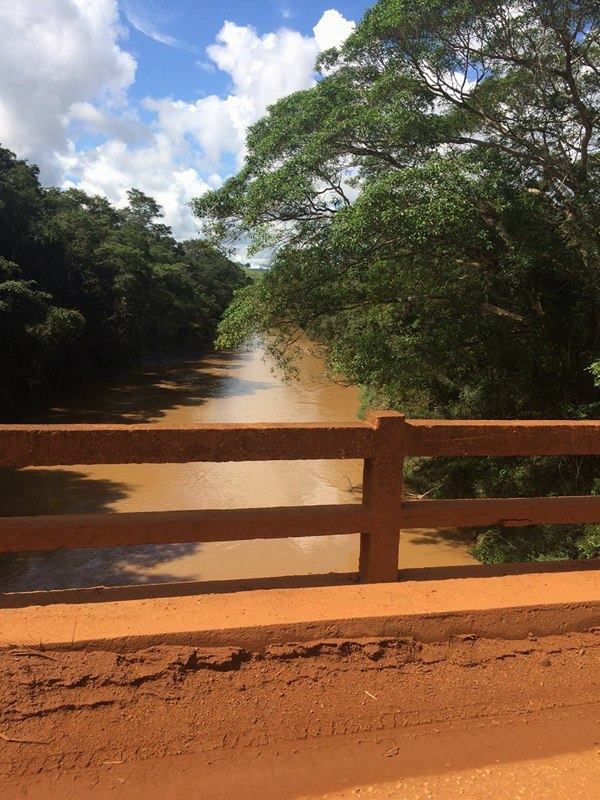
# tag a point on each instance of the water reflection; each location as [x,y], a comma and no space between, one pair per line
[151,394]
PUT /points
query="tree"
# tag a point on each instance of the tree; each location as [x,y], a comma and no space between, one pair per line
[432,206]
[33,333]
[522,79]
[21,202]
[83,283]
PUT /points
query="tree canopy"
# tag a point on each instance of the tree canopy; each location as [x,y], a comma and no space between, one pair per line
[85,286]
[432,205]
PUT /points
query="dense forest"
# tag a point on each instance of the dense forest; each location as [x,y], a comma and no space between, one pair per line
[85,286]
[433,209]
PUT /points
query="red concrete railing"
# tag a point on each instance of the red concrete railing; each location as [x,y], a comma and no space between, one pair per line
[383,442]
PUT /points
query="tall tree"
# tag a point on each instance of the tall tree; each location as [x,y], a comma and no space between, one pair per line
[85,286]
[432,205]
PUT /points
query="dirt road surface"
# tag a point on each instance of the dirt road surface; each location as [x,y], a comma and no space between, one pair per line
[470,718]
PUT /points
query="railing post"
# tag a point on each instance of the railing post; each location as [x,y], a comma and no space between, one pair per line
[382,494]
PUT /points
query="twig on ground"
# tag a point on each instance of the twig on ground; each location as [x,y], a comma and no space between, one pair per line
[17,740]
[27,651]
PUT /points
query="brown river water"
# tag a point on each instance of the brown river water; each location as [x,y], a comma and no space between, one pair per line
[237,386]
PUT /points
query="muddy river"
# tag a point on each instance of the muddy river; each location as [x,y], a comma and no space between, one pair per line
[235,386]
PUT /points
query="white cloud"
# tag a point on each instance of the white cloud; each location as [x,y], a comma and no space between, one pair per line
[206,66]
[187,148]
[332,30]
[139,18]
[264,68]
[53,55]
[125,125]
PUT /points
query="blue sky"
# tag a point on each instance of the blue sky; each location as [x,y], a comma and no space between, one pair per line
[194,24]
[110,94]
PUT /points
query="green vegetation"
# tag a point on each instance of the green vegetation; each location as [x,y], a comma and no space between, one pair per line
[433,205]
[253,272]
[84,286]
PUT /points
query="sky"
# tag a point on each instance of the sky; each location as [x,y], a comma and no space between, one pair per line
[107,95]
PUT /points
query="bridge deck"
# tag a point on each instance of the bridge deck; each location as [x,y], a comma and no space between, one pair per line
[501,673]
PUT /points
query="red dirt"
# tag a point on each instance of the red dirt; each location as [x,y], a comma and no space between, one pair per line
[467,718]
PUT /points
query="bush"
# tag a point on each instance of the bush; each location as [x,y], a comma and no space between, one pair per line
[537,543]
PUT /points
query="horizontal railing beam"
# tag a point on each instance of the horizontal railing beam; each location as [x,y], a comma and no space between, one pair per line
[507,512]
[80,531]
[53,445]
[426,437]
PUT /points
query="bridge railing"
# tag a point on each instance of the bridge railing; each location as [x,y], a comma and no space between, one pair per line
[383,442]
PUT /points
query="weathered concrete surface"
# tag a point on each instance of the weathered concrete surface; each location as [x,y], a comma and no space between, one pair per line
[73,531]
[47,445]
[486,437]
[500,606]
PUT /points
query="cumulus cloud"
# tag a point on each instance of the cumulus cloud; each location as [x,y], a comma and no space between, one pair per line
[126,125]
[332,30]
[264,68]
[53,55]
[80,78]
